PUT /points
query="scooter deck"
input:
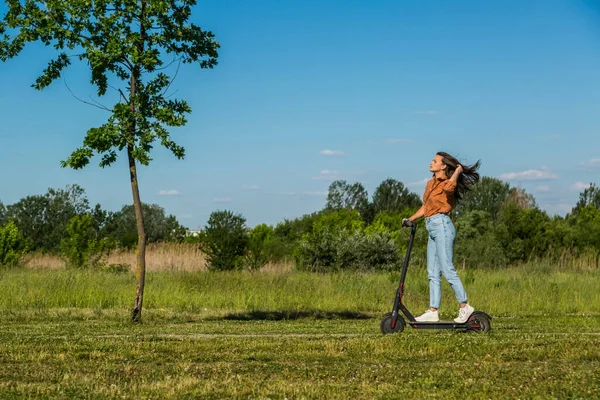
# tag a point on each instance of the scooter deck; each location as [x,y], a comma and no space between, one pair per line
[438,325]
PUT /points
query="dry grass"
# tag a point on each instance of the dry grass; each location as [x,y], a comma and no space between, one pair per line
[187,257]
[159,257]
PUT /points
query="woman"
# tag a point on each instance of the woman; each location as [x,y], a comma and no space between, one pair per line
[449,183]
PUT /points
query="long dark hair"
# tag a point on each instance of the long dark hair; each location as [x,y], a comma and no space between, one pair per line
[466,179]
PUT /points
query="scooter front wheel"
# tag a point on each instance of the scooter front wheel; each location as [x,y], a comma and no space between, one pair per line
[386,324]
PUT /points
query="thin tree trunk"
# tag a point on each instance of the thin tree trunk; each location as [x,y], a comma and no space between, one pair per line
[140,271]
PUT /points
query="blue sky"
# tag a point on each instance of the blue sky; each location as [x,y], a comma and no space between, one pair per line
[306,92]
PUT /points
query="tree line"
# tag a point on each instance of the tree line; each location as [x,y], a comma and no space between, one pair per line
[497,225]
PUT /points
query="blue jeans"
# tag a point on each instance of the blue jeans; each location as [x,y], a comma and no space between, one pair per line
[439,259]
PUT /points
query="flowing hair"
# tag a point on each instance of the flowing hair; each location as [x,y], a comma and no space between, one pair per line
[466,179]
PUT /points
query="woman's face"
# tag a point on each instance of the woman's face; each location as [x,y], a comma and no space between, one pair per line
[437,164]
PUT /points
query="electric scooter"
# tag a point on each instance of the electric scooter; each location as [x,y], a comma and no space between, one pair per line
[392,322]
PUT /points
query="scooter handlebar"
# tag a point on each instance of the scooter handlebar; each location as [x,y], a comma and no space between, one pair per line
[407,223]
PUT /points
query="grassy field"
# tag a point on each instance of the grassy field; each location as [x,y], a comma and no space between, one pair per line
[293,335]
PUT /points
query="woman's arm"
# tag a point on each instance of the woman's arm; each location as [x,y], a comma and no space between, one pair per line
[418,214]
[456,174]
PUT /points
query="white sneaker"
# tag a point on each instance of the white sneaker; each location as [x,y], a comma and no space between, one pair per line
[463,314]
[429,316]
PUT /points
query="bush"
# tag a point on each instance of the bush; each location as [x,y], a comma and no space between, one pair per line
[12,245]
[333,251]
[224,240]
[317,251]
[338,221]
[476,242]
[258,253]
[338,240]
[289,234]
[82,248]
[364,251]
[522,233]
[391,223]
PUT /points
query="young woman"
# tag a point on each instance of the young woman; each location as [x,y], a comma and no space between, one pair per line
[449,183]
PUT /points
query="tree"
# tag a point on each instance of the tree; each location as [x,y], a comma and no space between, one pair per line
[589,197]
[587,227]
[99,217]
[489,194]
[393,197]
[342,195]
[260,239]
[122,225]
[522,232]
[12,245]
[129,44]
[43,218]
[476,242]
[224,240]
[520,198]
[82,247]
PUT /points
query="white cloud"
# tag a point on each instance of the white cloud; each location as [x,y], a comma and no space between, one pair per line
[398,140]
[250,187]
[594,162]
[172,192]
[327,175]
[425,112]
[542,188]
[579,186]
[333,153]
[223,200]
[530,175]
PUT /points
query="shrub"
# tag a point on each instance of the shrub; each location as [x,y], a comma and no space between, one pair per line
[368,251]
[333,251]
[224,240]
[317,252]
[81,248]
[391,223]
[258,254]
[12,245]
[338,221]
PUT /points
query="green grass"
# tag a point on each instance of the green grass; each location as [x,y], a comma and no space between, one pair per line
[525,291]
[266,335]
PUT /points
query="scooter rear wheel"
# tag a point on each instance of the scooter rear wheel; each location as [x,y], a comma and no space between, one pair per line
[479,322]
[386,324]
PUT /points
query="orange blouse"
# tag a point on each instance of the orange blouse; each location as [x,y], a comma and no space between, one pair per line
[439,196]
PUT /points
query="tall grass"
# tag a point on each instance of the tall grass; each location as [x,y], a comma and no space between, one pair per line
[159,257]
[527,290]
[188,257]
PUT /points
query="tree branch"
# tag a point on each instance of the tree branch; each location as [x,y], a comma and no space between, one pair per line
[123,96]
[171,63]
[127,64]
[172,94]
[174,76]
[87,102]
[99,104]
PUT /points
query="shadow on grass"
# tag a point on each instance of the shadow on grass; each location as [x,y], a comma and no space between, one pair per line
[280,315]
